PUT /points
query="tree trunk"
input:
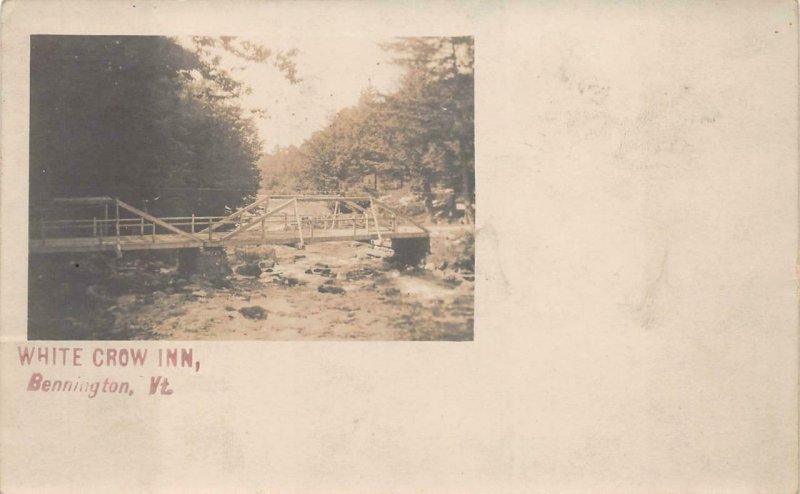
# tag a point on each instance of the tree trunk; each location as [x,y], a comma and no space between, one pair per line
[426,190]
[465,182]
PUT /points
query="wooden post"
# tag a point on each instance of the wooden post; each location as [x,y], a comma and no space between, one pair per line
[210,231]
[141,231]
[299,224]
[375,217]
[192,222]
[117,222]
[105,222]
[119,250]
[154,233]
[335,213]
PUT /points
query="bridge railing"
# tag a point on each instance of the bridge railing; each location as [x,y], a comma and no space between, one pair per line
[364,215]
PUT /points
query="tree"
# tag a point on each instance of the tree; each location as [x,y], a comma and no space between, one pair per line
[435,107]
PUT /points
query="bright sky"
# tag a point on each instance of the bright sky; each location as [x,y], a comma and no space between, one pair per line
[334,72]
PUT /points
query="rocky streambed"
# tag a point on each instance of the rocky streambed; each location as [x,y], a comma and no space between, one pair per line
[329,291]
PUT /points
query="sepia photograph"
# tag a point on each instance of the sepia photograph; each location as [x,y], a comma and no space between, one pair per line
[235,188]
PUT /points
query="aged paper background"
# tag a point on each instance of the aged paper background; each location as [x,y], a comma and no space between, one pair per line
[636,311]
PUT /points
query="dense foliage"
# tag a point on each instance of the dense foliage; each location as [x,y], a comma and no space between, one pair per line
[145,119]
[421,135]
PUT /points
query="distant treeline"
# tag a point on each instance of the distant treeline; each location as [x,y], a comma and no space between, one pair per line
[420,136]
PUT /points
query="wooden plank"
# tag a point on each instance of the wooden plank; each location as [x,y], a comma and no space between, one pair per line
[84,200]
[304,198]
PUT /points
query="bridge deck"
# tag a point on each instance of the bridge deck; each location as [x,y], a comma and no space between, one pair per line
[251,225]
[174,241]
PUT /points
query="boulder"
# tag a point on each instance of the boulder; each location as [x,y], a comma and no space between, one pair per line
[254,312]
[249,270]
[330,289]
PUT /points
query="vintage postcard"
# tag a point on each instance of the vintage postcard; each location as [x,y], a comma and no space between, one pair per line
[389,247]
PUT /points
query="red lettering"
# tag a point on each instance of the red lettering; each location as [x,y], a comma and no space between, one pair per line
[35,383]
[138,356]
[25,355]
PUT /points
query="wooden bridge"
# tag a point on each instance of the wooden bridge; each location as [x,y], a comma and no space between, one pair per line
[123,227]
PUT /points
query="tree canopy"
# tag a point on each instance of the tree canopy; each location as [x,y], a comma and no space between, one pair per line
[420,135]
[143,118]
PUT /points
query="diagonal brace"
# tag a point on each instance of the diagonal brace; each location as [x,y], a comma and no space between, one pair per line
[257,220]
[157,221]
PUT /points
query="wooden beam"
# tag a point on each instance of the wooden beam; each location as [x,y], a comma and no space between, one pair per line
[322,197]
[384,206]
[239,212]
[375,217]
[354,206]
[157,221]
[256,220]
[83,200]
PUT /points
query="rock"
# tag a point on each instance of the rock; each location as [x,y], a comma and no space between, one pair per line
[451,280]
[392,292]
[330,289]
[266,265]
[229,308]
[429,266]
[360,274]
[256,254]
[221,283]
[249,270]
[254,312]
[289,281]
[323,272]
[198,293]
[329,282]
